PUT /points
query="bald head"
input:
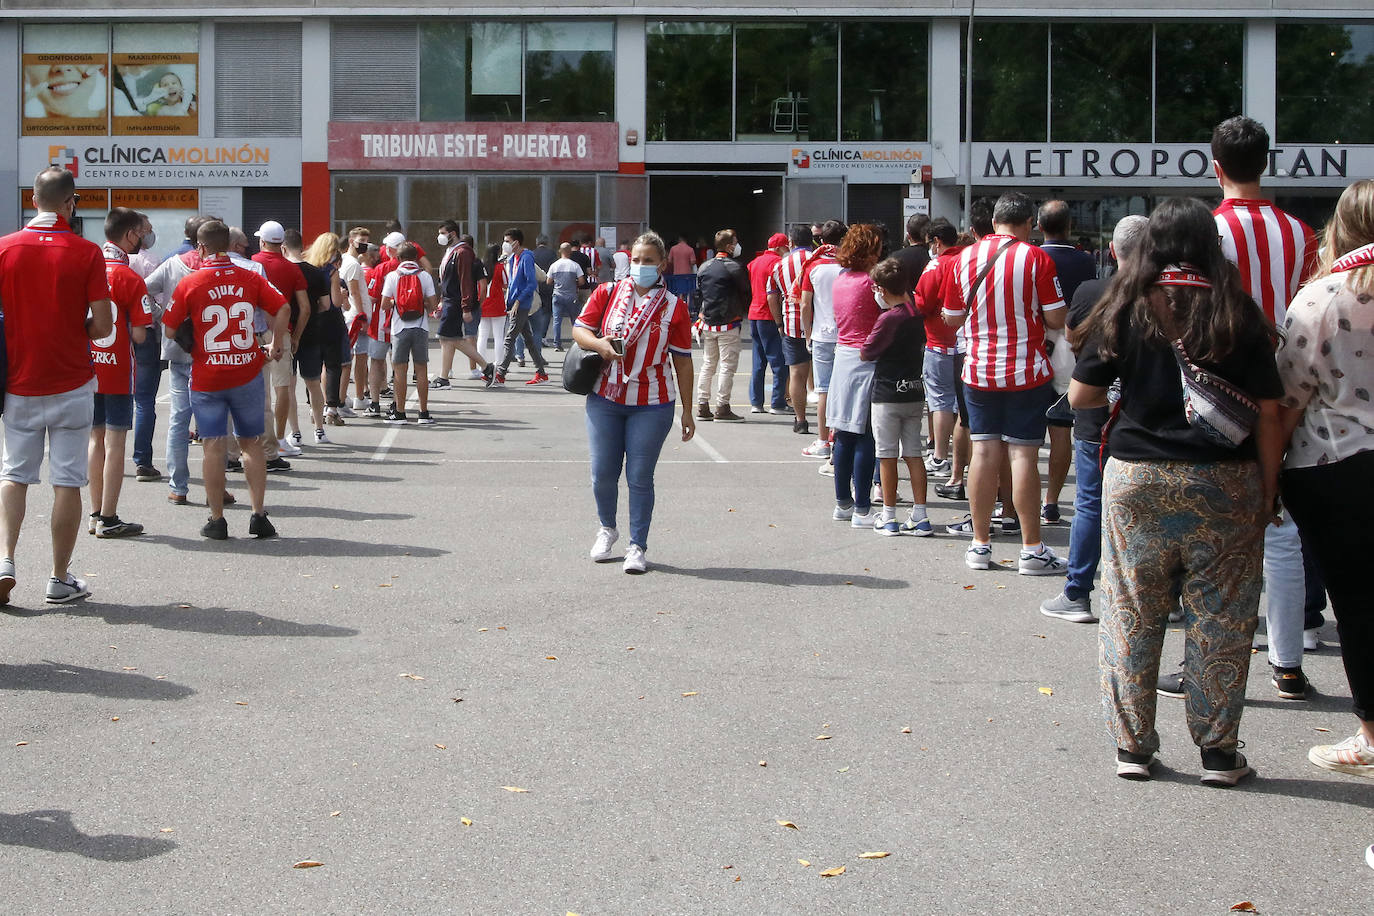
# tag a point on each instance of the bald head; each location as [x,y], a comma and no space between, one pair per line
[52,188]
[564,250]
[1055,220]
[238,240]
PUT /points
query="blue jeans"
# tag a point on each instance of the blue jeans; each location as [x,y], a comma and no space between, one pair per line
[1085,534]
[633,436]
[854,464]
[767,354]
[563,307]
[179,427]
[147,377]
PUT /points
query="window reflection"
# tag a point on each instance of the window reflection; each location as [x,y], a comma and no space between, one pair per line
[1100,89]
[1197,75]
[786,81]
[1324,74]
[884,80]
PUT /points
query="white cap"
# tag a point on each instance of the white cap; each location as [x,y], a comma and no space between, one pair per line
[394,240]
[271,231]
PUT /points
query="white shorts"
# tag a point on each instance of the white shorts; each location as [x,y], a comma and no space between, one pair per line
[280,371]
[65,420]
[897,429]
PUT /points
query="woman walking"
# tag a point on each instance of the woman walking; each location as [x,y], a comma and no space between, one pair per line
[644,334]
[1183,513]
[1327,367]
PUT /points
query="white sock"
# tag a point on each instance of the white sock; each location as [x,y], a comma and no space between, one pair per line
[977,544]
[889,513]
[918,511]
[1035,549]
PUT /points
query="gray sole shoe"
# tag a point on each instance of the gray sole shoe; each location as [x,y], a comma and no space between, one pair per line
[61,592]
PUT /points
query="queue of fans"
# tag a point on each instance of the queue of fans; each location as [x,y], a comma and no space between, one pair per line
[1221,367]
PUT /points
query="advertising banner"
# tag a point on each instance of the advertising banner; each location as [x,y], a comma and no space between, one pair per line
[167,162]
[155,94]
[65,94]
[474,146]
[860,163]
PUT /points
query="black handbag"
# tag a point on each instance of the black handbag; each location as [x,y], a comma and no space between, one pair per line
[581,369]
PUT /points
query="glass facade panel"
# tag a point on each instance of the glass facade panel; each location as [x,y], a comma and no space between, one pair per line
[1100,84]
[1324,75]
[786,81]
[883,83]
[365,200]
[432,199]
[505,201]
[494,76]
[1010,81]
[570,71]
[1197,78]
[443,71]
[688,68]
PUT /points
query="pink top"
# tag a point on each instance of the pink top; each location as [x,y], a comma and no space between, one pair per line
[855,309]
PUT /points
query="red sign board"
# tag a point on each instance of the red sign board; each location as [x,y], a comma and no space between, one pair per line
[531,146]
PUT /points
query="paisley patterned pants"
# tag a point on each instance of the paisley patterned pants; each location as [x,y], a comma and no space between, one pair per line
[1179,533]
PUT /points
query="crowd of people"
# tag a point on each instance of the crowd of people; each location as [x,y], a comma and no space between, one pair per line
[1211,395]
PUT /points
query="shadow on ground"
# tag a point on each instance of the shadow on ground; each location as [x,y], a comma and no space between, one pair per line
[754,574]
[214,621]
[55,677]
[288,545]
[55,831]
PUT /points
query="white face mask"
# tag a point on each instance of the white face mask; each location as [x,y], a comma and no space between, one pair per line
[736,251]
[879,298]
[506,248]
[443,240]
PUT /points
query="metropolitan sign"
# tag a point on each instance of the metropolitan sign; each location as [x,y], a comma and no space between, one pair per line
[474,146]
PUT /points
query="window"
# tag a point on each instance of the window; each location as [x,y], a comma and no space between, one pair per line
[689,75]
[494,78]
[786,77]
[376,93]
[505,201]
[883,80]
[431,200]
[1197,79]
[1100,82]
[258,79]
[443,70]
[1324,74]
[1010,70]
[569,71]
[369,201]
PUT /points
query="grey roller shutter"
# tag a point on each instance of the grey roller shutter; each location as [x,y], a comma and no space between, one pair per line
[258,79]
[374,71]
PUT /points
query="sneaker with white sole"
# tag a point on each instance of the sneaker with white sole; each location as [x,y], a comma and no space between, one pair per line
[1353,756]
[978,556]
[817,449]
[827,469]
[601,547]
[939,466]
[297,438]
[965,527]
[321,438]
[843,513]
[476,375]
[1044,563]
[863,519]
[346,411]
[288,448]
[61,591]
[1224,768]
[7,579]
[890,528]
[918,527]
[635,561]
[1134,766]
[1074,610]
[1310,642]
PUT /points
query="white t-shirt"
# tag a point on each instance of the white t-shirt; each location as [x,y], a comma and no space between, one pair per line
[389,292]
[351,269]
[823,328]
[564,274]
[622,265]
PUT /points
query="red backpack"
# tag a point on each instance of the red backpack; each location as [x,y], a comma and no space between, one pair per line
[410,296]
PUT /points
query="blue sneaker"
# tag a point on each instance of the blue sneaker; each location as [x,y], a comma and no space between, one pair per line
[889,528]
[918,527]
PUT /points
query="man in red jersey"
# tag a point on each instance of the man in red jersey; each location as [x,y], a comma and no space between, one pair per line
[113,356]
[767,339]
[290,282]
[52,284]
[226,361]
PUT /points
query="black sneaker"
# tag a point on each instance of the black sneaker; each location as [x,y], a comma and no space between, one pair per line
[425,419]
[951,491]
[395,416]
[436,383]
[146,473]
[1224,768]
[387,392]
[116,527]
[1011,525]
[1049,514]
[373,410]
[1291,683]
[233,464]
[1170,685]
[216,529]
[278,464]
[1134,766]
[802,427]
[260,527]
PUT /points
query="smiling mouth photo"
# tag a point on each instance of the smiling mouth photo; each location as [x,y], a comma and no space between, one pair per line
[63,80]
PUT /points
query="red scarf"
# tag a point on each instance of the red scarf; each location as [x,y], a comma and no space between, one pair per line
[1360,257]
[1183,274]
[631,322]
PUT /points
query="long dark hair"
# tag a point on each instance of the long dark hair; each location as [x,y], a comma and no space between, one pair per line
[1210,321]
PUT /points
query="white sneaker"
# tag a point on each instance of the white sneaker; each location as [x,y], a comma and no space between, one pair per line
[843,513]
[817,449]
[360,403]
[978,557]
[288,448]
[1310,642]
[863,519]
[605,540]
[635,563]
[476,375]
[346,411]
[321,438]
[1044,563]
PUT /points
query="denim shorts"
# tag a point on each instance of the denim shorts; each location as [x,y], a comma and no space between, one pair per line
[410,344]
[794,351]
[114,411]
[64,420]
[1013,417]
[823,361]
[375,349]
[246,403]
[941,376]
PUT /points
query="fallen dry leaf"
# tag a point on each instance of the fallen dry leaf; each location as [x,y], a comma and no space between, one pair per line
[763,763]
[335,813]
[788,824]
[803,863]
[727,867]
[307,863]
[968,588]
[165,830]
[1322,729]
[1001,586]
[384,585]
[629,648]
[1040,636]
[240,703]
[551,658]
[737,877]
[833,872]
[183,606]
[457,699]
[1047,691]
[1245,906]
[160,677]
[335,586]
[514,789]
[907,730]
[413,677]
[130,669]
[874,855]
[690,693]
[442,747]
[114,718]
[822,737]
[481,629]
[842,770]
[466,821]
[20,743]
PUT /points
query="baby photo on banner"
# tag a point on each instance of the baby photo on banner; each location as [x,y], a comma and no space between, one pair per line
[155,93]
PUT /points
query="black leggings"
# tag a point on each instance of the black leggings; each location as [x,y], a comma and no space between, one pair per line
[1331,505]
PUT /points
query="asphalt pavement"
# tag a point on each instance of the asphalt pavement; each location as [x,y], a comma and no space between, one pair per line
[426,686]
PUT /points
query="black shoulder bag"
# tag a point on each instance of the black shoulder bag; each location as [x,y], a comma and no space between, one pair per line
[581,368]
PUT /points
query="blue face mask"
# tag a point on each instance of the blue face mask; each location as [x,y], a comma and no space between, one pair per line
[644,275]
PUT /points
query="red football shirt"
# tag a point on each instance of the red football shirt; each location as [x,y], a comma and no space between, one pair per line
[284,275]
[113,354]
[48,278]
[219,298]
[930,299]
[1275,251]
[760,269]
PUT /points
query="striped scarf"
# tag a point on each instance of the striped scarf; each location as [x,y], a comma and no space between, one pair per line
[630,323]
[1354,260]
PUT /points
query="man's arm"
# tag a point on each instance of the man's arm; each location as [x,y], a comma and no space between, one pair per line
[303,303]
[100,321]
[775,306]
[1054,318]
[808,311]
[355,296]
[281,327]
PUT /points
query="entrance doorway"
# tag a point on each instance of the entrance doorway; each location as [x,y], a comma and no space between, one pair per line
[698,205]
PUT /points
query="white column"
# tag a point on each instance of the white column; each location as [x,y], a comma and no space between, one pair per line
[10,179]
[1259,97]
[315,52]
[631,78]
[946,118]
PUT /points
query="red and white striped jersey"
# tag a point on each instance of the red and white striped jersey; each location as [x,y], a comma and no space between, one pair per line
[1276,252]
[648,375]
[1006,336]
[786,277]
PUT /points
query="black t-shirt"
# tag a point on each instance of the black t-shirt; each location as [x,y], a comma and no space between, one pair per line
[1073,265]
[1087,422]
[583,262]
[1151,425]
[912,259]
[897,373]
[317,281]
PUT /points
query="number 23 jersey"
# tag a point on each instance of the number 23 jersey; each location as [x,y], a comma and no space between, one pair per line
[219,298]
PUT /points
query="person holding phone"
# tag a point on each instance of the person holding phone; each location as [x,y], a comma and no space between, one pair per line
[644,334]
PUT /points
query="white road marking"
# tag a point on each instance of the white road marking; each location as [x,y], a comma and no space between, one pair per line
[389,439]
[709,449]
